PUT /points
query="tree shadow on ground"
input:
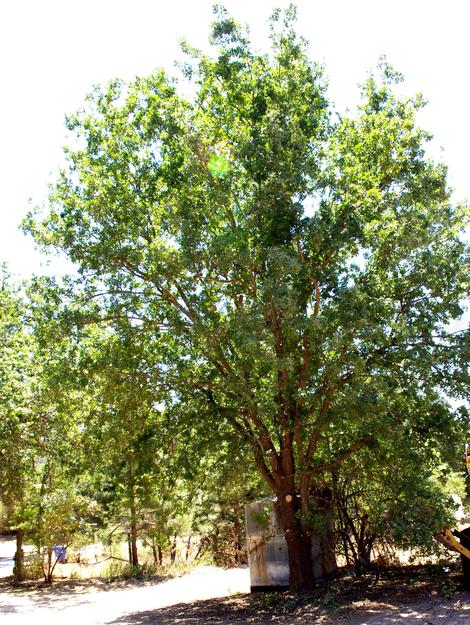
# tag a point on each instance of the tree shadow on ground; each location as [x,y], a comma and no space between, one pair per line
[222,611]
[242,610]
[8,609]
[41,593]
[66,586]
[397,595]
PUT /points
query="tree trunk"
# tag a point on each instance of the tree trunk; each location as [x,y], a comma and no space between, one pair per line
[236,532]
[134,555]
[48,572]
[129,548]
[134,558]
[19,571]
[154,552]
[188,547]
[173,550]
[160,555]
[298,545]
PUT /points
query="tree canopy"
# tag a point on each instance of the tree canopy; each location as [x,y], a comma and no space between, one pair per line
[294,271]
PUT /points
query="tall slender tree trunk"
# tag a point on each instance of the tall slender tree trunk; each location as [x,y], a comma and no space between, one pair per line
[129,548]
[19,571]
[157,553]
[134,558]
[48,572]
[173,550]
[154,552]
[236,531]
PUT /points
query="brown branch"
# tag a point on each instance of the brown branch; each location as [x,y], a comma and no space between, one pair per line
[245,432]
[330,466]
[300,252]
[312,445]
[258,443]
[238,301]
[298,441]
[317,430]
[259,459]
[283,400]
[264,437]
[184,298]
[304,367]
[287,456]
[313,280]
[316,309]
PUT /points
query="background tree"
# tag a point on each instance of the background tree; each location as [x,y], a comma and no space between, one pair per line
[298,271]
[129,454]
[379,509]
[17,418]
[37,458]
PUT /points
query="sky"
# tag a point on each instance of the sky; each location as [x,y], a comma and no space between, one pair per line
[53,51]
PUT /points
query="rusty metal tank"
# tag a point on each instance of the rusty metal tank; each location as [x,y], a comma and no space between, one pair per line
[267,549]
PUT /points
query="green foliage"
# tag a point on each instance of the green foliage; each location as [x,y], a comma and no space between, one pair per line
[262,517]
[439,575]
[34,566]
[380,505]
[287,277]
[16,371]
[117,570]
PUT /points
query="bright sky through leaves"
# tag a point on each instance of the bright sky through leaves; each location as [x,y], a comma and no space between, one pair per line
[53,51]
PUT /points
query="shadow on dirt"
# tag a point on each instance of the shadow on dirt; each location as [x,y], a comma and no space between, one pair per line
[411,595]
[246,609]
[41,594]
[223,611]
[8,609]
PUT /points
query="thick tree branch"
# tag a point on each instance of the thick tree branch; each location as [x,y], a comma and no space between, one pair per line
[330,466]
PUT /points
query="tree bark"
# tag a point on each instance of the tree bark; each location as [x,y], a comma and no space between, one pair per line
[129,548]
[19,571]
[188,547]
[134,554]
[173,550]
[155,553]
[48,571]
[299,545]
[236,531]
[134,558]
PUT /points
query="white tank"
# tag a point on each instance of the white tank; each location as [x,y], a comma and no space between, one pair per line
[267,549]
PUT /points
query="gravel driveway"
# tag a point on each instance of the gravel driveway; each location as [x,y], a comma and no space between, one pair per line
[87,605]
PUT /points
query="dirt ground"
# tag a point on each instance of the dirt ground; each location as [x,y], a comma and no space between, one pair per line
[213,596]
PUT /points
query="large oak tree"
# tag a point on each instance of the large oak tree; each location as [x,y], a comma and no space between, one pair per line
[296,270]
